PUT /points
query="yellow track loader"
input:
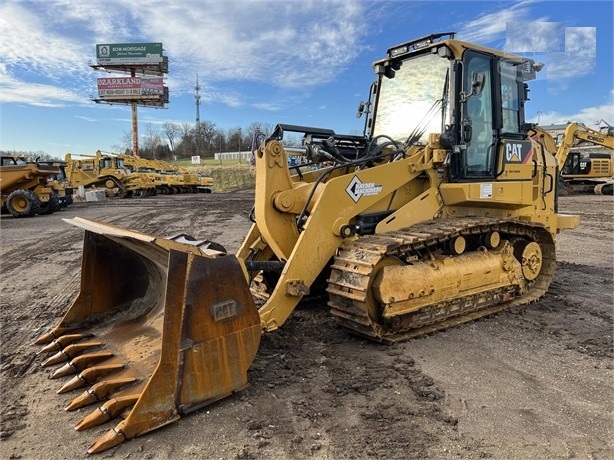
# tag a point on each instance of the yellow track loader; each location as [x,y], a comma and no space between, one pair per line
[444,211]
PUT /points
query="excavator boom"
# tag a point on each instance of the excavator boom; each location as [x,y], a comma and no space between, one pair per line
[592,172]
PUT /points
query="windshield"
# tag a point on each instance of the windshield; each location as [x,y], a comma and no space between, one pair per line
[411,102]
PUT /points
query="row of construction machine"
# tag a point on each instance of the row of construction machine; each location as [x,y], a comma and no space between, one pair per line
[585,158]
[443,211]
[170,179]
[28,188]
[128,175]
[108,172]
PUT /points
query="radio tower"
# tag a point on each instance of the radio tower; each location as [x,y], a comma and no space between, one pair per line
[197,101]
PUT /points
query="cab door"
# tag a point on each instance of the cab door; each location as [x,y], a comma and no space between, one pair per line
[478,118]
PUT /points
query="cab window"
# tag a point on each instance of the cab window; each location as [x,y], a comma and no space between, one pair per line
[479,158]
[510,103]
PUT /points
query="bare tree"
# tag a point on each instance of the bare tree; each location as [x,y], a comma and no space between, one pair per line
[208,136]
[234,141]
[186,142]
[171,131]
[38,155]
[125,143]
[151,140]
[264,128]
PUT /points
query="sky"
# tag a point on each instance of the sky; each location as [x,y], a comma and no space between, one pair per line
[304,62]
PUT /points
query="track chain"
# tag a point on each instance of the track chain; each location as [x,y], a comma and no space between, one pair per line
[352,275]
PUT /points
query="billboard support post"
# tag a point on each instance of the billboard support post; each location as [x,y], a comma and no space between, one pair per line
[135,125]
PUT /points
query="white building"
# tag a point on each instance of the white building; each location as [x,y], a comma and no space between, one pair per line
[244,155]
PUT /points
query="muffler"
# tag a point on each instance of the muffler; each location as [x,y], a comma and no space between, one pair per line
[160,327]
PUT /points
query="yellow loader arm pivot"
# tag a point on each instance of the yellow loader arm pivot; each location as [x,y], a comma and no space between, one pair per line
[170,327]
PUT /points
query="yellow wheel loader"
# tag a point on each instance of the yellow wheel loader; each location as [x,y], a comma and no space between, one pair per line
[444,211]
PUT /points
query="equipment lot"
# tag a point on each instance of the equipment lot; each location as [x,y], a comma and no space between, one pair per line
[534,382]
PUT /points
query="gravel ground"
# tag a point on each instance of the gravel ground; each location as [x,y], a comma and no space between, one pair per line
[535,382]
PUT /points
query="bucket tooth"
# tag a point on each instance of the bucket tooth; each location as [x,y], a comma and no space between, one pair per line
[106,412]
[54,334]
[111,438]
[89,376]
[69,352]
[80,363]
[58,358]
[98,392]
[62,342]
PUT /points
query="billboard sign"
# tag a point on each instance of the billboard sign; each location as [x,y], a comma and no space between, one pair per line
[152,86]
[129,53]
[130,86]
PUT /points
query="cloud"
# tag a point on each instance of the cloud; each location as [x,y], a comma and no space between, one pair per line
[42,95]
[263,41]
[268,106]
[570,52]
[86,118]
[534,37]
[590,116]
[579,57]
[28,44]
[257,41]
[490,28]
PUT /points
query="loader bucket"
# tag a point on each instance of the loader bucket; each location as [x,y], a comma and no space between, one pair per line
[160,328]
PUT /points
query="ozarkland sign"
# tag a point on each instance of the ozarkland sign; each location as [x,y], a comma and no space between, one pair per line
[129,53]
[130,86]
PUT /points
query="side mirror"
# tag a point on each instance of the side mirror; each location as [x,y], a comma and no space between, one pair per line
[361,109]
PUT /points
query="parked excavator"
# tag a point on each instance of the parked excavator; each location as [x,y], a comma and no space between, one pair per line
[582,170]
[444,211]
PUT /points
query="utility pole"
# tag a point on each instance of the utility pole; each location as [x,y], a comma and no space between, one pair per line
[197,101]
[135,123]
[240,139]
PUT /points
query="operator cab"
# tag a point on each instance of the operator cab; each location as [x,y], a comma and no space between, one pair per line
[472,99]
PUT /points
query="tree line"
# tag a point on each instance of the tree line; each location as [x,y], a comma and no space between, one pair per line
[181,140]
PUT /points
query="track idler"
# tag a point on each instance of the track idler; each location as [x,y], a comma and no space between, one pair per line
[160,328]
[607,188]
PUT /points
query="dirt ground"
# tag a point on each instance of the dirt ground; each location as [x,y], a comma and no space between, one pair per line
[530,383]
